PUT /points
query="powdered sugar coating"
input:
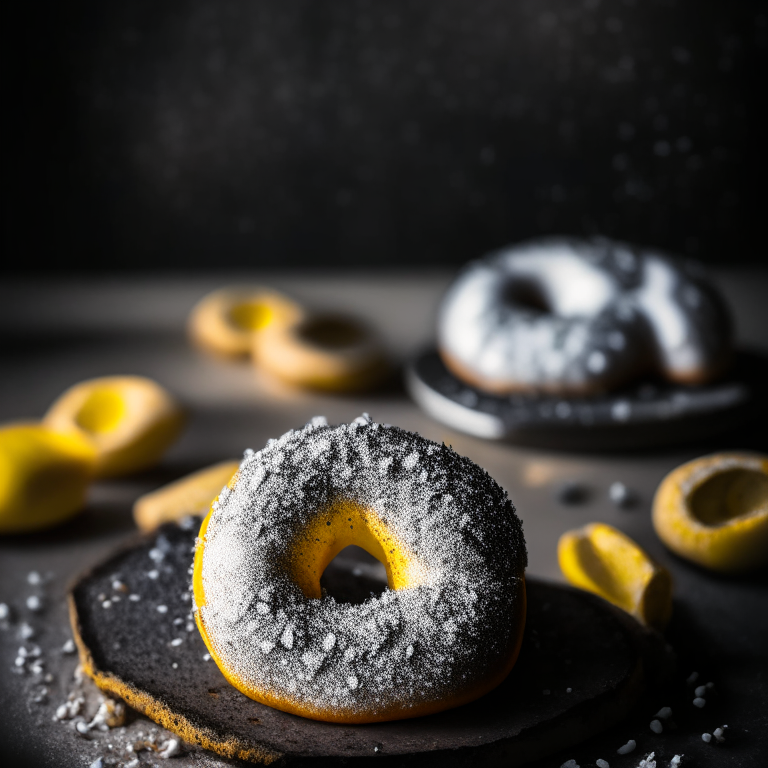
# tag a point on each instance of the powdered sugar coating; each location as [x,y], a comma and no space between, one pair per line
[573,316]
[403,649]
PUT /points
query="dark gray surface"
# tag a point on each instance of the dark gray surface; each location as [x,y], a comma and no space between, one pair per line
[58,333]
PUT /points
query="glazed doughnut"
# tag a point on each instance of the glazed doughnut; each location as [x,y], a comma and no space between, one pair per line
[226,320]
[130,421]
[576,317]
[447,630]
[322,351]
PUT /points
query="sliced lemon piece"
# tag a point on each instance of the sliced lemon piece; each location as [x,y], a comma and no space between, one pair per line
[129,420]
[714,511]
[44,476]
[602,560]
[191,495]
[226,320]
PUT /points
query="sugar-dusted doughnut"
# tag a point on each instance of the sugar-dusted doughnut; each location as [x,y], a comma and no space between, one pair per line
[447,630]
[130,421]
[322,351]
[226,320]
[44,476]
[573,317]
[714,511]
[189,496]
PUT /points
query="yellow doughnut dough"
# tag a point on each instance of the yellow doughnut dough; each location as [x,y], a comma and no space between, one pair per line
[714,511]
[130,421]
[322,351]
[191,495]
[44,476]
[602,560]
[226,320]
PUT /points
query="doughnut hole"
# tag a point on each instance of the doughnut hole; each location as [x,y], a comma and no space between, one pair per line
[601,559]
[129,420]
[330,332]
[714,512]
[353,576]
[343,524]
[527,295]
[101,412]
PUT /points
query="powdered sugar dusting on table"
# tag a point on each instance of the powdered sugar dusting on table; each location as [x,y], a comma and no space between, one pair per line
[421,644]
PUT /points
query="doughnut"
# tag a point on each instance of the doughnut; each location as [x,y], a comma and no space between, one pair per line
[44,476]
[129,420]
[605,561]
[322,351]
[446,630]
[226,320]
[191,495]
[713,511]
[575,317]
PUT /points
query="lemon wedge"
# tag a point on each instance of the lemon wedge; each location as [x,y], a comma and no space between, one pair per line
[602,560]
[44,476]
[191,495]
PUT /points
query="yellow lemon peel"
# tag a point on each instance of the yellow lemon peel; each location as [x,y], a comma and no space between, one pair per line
[601,559]
[714,511]
[129,420]
[44,476]
[191,495]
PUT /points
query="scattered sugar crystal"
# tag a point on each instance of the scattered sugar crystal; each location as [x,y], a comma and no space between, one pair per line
[627,748]
[701,691]
[206,657]
[34,603]
[177,641]
[153,574]
[692,678]
[5,611]
[621,410]
[699,702]
[656,726]
[648,762]
[162,609]
[675,761]
[664,713]
[106,604]
[134,598]
[26,631]
[352,682]
[602,763]
[718,733]
[706,737]
[620,495]
[570,764]
[68,647]
[34,578]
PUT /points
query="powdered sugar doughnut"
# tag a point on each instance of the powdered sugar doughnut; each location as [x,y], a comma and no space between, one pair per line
[448,628]
[573,317]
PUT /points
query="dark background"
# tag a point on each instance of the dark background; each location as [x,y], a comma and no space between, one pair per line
[367,133]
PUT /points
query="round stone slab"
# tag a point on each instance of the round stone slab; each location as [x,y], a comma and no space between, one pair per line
[648,414]
[583,665]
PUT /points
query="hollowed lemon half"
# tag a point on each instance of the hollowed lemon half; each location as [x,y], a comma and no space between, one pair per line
[226,320]
[602,560]
[44,476]
[129,420]
[714,511]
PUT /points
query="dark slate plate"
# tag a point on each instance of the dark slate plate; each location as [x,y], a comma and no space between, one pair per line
[650,413]
[573,640]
